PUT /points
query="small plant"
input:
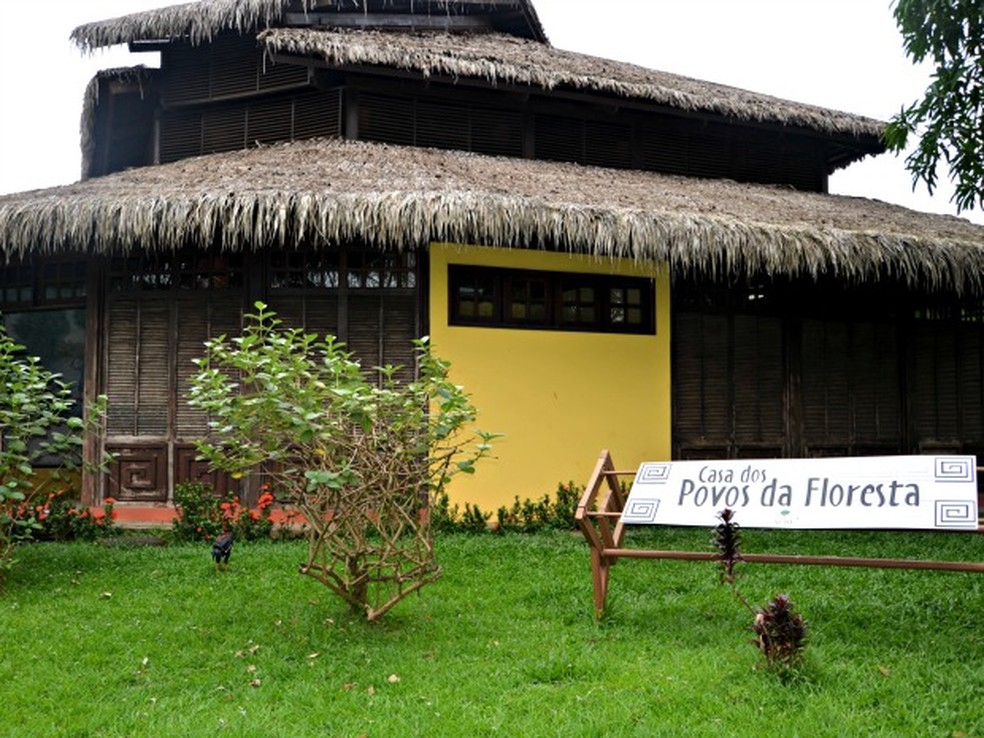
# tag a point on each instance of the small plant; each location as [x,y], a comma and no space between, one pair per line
[524,516]
[473,520]
[780,631]
[727,540]
[780,634]
[62,517]
[443,515]
[564,506]
[203,515]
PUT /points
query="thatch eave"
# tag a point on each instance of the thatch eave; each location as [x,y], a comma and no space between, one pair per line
[200,21]
[323,193]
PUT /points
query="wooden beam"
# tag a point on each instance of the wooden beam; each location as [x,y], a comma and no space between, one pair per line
[968,566]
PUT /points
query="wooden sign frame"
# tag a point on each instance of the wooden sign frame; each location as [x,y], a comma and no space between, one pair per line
[599,518]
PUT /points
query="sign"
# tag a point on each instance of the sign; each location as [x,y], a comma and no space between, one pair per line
[919,492]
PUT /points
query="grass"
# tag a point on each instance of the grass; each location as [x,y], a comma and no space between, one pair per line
[117,641]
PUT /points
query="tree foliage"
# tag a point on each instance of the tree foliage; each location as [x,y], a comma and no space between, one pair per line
[949,119]
[361,461]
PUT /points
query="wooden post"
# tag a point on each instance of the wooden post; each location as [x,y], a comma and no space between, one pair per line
[594,520]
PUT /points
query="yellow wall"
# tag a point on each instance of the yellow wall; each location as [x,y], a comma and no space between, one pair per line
[559,397]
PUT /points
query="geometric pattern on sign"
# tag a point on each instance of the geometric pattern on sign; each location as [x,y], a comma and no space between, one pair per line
[642,511]
[653,474]
[950,469]
[955,513]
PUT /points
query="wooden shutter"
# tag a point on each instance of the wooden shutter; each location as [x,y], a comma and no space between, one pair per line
[443,125]
[607,144]
[365,322]
[138,387]
[138,371]
[728,389]
[877,389]
[200,316]
[381,329]
[971,387]
[825,388]
[314,313]
[559,139]
[934,386]
[317,114]
[497,132]
[759,396]
[399,331]
[850,388]
[385,118]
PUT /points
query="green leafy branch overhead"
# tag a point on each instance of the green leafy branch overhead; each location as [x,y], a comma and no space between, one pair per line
[949,119]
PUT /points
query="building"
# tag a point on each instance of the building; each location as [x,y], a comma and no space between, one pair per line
[610,256]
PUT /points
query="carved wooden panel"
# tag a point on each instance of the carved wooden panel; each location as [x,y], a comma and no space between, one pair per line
[138,473]
[188,468]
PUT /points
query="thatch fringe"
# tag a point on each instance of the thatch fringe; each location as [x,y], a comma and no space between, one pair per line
[328,192]
[502,59]
[199,22]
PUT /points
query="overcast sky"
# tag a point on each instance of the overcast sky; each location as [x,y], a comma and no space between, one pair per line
[843,54]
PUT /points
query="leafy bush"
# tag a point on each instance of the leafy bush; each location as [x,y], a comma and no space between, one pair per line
[202,514]
[360,461]
[35,424]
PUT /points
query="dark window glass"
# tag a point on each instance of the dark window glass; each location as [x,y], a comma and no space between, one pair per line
[42,282]
[516,298]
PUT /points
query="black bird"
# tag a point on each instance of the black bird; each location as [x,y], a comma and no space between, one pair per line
[222,549]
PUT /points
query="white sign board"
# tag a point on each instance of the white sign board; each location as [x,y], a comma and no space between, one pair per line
[920,492]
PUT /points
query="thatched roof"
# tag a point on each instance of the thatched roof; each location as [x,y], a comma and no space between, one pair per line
[199,22]
[496,58]
[502,59]
[325,192]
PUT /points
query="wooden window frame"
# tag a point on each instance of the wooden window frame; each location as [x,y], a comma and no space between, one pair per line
[591,305]
[44,283]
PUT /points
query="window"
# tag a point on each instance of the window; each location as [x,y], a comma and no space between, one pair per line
[42,283]
[186,270]
[514,298]
[330,270]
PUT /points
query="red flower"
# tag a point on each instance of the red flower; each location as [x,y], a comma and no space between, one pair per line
[99,514]
[109,501]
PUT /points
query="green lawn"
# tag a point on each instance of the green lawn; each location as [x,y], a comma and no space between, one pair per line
[113,641]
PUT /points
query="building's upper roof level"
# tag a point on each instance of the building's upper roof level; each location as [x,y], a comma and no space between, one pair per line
[199,22]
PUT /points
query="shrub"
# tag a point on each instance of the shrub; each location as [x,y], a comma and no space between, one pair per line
[35,407]
[360,460]
[523,516]
[62,517]
[202,514]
